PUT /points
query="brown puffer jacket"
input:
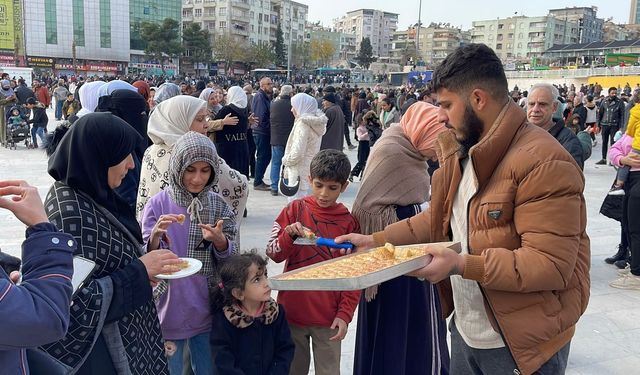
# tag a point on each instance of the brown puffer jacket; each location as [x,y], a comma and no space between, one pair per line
[529,250]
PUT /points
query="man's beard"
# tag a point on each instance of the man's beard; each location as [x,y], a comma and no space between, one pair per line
[472,131]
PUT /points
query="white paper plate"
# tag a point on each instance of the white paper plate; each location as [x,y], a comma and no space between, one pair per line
[194,266]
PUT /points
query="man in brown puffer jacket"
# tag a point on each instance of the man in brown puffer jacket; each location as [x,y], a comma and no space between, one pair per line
[513,197]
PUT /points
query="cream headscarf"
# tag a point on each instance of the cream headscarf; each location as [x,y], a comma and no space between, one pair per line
[206,93]
[237,97]
[304,104]
[116,84]
[88,94]
[172,118]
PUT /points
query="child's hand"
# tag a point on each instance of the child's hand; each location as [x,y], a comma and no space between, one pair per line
[170,348]
[159,231]
[296,230]
[341,325]
[214,234]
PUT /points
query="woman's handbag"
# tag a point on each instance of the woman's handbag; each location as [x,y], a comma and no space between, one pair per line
[285,189]
[612,207]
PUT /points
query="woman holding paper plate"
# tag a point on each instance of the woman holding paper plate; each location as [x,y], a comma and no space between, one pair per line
[114,325]
[400,318]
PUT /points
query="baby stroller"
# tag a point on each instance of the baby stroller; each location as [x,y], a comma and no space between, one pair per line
[16,135]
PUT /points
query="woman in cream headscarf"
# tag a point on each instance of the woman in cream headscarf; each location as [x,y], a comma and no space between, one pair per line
[304,141]
[171,119]
[231,141]
[400,318]
[210,96]
[88,94]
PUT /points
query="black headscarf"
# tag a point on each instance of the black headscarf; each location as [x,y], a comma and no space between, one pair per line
[96,142]
[131,107]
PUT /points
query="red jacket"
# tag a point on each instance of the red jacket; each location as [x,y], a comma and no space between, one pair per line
[312,309]
[43,96]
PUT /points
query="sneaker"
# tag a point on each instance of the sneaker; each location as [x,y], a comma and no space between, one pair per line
[274,193]
[262,187]
[351,147]
[616,190]
[629,281]
[601,162]
[625,271]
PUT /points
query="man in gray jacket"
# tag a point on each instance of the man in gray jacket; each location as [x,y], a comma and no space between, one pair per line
[333,138]
[281,124]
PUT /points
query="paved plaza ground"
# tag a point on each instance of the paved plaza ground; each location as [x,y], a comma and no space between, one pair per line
[607,340]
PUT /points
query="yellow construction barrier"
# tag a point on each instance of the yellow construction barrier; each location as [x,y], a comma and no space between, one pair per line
[614,81]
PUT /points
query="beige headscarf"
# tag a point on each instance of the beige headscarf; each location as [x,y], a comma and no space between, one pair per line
[396,171]
[172,118]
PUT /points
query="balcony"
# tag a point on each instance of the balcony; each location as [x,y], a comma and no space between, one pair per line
[244,4]
[209,17]
[236,31]
[240,16]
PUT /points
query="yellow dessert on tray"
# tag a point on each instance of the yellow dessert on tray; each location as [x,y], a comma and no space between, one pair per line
[358,264]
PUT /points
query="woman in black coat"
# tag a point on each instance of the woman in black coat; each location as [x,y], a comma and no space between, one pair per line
[231,140]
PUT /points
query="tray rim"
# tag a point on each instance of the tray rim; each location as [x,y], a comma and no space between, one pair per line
[354,283]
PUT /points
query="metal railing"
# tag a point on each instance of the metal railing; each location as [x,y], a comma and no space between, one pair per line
[575,73]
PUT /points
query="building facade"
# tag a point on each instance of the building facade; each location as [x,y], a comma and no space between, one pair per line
[435,43]
[613,31]
[376,25]
[343,44]
[591,28]
[634,13]
[91,32]
[521,38]
[11,33]
[87,37]
[248,21]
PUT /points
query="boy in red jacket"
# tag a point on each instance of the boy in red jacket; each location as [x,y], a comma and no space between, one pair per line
[316,315]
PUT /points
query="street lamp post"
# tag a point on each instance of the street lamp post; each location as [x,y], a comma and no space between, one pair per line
[419,27]
[290,42]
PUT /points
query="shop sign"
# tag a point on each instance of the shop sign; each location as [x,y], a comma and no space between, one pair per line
[40,62]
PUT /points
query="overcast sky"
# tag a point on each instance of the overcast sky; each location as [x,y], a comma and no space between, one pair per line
[460,12]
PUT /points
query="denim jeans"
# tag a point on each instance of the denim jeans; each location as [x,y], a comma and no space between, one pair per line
[277,152]
[36,130]
[200,355]
[263,156]
[59,104]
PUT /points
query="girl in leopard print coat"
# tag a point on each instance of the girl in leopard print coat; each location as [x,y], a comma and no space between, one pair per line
[250,334]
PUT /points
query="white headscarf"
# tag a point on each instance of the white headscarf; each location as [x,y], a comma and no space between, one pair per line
[88,95]
[237,97]
[114,85]
[172,118]
[206,93]
[305,105]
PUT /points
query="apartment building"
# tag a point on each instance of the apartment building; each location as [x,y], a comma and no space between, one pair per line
[521,37]
[590,27]
[377,25]
[435,43]
[251,21]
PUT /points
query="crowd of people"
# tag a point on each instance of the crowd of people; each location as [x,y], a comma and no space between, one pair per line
[463,159]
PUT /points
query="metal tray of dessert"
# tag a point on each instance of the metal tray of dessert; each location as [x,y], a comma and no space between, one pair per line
[282,282]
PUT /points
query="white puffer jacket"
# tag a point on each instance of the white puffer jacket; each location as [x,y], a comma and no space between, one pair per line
[302,145]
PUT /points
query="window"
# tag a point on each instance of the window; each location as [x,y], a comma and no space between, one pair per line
[266,17]
[500,26]
[105,23]
[499,46]
[187,13]
[78,22]
[223,25]
[51,21]
[198,12]
[222,11]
